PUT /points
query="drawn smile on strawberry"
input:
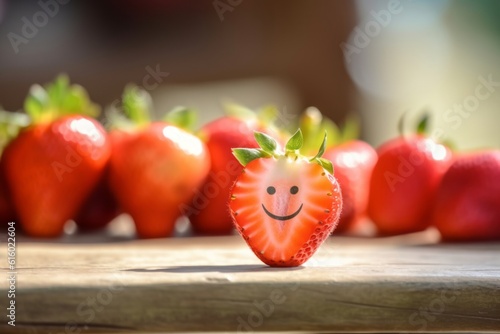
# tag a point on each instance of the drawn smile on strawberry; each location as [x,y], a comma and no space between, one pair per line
[271,191]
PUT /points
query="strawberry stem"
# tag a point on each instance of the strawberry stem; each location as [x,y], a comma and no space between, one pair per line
[313,125]
[239,111]
[137,104]
[57,99]
[182,117]
[266,142]
[295,142]
[10,125]
[269,148]
[423,125]
[351,129]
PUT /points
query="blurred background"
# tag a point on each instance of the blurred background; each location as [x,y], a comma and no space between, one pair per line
[376,58]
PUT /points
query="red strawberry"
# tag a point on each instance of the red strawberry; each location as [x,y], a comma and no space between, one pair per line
[155,168]
[208,211]
[99,209]
[353,162]
[404,183]
[283,204]
[7,213]
[467,204]
[10,125]
[52,166]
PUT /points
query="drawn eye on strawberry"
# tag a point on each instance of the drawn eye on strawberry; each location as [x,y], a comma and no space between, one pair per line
[284,204]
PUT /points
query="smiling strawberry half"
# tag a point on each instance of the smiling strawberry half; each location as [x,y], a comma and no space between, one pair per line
[284,204]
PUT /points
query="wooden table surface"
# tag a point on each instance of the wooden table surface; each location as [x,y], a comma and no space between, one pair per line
[400,284]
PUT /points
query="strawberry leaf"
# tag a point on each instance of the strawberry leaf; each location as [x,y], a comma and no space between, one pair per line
[295,142]
[245,155]
[267,143]
[58,99]
[310,122]
[268,114]
[10,125]
[36,101]
[423,125]
[334,134]
[117,120]
[322,148]
[238,111]
[57,90]
[313,126]
[325,163]
[351,128]
[182,117]
[137,104]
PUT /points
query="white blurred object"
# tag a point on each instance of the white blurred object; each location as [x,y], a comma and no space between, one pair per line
[414,57]
[400,49]
[402,63]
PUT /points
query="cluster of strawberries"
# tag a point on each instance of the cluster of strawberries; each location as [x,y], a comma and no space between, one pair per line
[61,164]
[418,182]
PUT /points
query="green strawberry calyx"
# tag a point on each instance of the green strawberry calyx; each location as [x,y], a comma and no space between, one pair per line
[269,148]
[264,117]
[137,110]
[58,99]
[421,127]
[313,124]
[10,125]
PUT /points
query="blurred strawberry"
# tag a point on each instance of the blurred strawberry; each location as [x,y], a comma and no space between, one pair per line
[155,167]
[53,164]
[209,212]
[353,162]
[10,125]
[7,213]
[404,182]
[467,204]
[99,209]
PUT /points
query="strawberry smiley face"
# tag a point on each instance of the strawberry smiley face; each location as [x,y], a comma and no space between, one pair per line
[284,204]
[285,208]
[271,190]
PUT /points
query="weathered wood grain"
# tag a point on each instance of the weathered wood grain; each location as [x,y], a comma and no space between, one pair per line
[404,284]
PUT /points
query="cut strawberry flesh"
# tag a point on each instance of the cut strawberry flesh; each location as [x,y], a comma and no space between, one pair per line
[285,209]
